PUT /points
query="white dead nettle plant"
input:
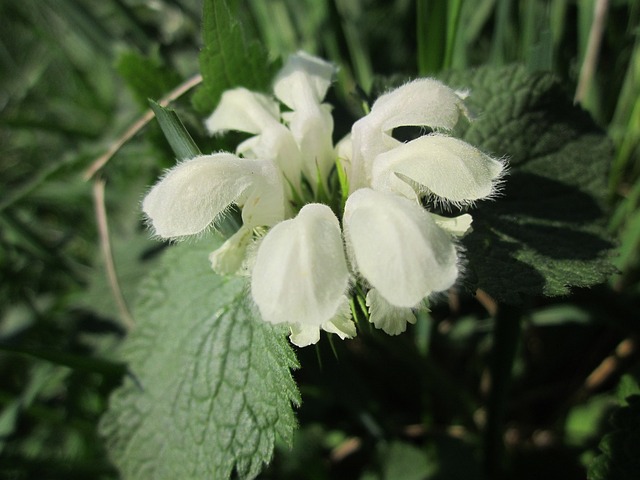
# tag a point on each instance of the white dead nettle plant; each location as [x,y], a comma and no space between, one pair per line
[303,267]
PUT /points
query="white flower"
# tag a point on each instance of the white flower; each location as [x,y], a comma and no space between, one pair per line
[445,167]
[302,85]
[245,111]
[305,147]
[424,103]
[397,247]
[194,193]
[300,274]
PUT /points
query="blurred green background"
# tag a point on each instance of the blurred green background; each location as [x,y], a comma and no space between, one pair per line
[76,74]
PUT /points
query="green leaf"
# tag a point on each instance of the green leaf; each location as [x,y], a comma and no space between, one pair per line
[210,389]
[175,132]
[546,232]
[620,457]
[147,77]
[228,59]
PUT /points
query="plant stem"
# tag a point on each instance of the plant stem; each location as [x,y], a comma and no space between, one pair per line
[505,344]
[431,29]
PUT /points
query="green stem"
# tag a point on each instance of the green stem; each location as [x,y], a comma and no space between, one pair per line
[505,344]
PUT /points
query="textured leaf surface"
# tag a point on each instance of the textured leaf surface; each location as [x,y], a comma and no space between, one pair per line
[546,232]
[210,389]
[228,59]
[147,77]
[620,457]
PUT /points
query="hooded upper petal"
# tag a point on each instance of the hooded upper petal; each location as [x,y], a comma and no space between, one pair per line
[397,247]
[301,85]
[447,167]
[192,194]
[244,111]
[300,272]
[423,102]
[303,79]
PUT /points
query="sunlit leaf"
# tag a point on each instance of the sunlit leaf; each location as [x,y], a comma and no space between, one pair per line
[210,389]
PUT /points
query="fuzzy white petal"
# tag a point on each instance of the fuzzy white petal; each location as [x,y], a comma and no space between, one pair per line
[344,149]
[458,226]
[192,194]
[312,128]
[392,320]
[447,167]
[341,324]
[300,272]
[304,335]
[303,79]
[228,258]
[277,144]
[242,110]
[245,111]
[397,247]
[423,102]
[301,85]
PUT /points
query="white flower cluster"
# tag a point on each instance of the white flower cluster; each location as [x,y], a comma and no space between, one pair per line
[305,265]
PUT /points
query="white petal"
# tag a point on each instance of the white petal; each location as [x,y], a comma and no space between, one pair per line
[245,111]
[458,226]
[392,320]
[397,247]
[228,259]
[192,194]
[300,272]
[445,166]
[342,324]
[301,85]
[304,335]
[344,149]
[424,102]
[312,128]
[276,143]
[264,203]
[303,79]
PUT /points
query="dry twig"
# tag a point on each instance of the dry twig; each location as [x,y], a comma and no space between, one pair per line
[138,125]
[105,247]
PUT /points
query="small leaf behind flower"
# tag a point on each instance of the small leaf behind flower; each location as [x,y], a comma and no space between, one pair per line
[210,389]
[228,58]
